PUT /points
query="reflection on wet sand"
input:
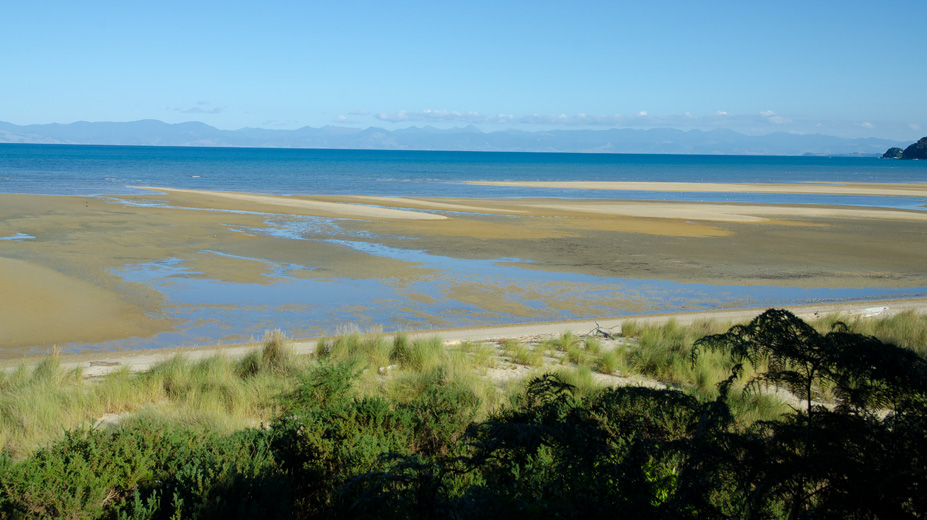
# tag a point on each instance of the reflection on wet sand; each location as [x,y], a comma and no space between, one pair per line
[179,266]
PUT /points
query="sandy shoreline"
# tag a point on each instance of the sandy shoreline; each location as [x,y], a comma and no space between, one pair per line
[83,269]
[856,188]
[99,364]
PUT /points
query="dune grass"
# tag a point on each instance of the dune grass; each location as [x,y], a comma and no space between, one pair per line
[38,404]
[522,354]
[664,352]
[403,369]
[906,329]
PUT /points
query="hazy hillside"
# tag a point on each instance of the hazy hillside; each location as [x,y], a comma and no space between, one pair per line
[663,140]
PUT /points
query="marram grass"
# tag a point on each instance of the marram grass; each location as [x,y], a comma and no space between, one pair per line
[38,404]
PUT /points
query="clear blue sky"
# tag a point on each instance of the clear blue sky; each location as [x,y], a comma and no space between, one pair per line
[848,68]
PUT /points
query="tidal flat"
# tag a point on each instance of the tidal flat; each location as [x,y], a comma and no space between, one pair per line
[184,267]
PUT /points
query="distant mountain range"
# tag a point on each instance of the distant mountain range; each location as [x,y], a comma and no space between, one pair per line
[658,141]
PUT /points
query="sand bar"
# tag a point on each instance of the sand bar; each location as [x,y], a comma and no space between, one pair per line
[61,281]
[732,212]
[286,204]
[861,188]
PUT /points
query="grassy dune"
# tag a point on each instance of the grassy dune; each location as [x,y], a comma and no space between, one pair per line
[39,403]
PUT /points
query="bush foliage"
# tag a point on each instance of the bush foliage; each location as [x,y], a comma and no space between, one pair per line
[334,451]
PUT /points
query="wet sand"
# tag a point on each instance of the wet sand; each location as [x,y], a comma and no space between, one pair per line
[99,364]
[64,286]
[817,188]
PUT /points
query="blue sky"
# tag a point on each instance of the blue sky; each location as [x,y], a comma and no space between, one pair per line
[848,68]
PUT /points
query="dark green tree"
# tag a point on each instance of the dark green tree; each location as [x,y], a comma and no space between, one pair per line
[893,153]
[917,150]
[862,457]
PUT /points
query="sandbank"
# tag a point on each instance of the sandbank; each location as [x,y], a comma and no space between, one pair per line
[286,204]
[64,284]
[828,188]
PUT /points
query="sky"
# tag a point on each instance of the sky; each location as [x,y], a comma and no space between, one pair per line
[847,68]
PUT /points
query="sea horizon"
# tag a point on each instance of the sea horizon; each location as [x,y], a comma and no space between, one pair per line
[205,290]
[74,169]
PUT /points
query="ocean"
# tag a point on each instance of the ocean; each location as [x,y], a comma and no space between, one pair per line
[113,170]
[212,310]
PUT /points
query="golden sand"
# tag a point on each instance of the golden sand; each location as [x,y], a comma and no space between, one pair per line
[63,285]
[830,188]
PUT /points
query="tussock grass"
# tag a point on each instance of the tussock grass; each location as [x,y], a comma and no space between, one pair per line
[630,328]
[371,353]
[419,354]
[608,362]
[593,345]
[522,354]
[754,406]
[577,355]
[277,354]
[664,352]
[482,355]
[562,343]
[906,329]
[485,356]
[38,404]
[580,377]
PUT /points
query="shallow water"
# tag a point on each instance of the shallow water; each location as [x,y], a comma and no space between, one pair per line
[95,170]
[444,292]
[221,311]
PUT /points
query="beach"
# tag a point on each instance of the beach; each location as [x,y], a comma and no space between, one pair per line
[89,271]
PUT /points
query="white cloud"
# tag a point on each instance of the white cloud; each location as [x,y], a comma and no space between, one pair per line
[504,118]
[201,107]
[914,126]
[641,119]
[756,123]
[396,117]
[867,124]
[772,117]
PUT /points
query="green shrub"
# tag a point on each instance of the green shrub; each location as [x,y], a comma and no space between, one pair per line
[441,413]
[324,384]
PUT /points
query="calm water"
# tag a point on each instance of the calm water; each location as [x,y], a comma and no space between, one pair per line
[213,310]
[94,170]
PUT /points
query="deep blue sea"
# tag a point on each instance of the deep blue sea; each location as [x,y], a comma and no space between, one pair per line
[212,311]
[96,170]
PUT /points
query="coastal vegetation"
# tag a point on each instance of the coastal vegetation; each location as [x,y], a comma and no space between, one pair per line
[915,151]
[893,153]
[775,418]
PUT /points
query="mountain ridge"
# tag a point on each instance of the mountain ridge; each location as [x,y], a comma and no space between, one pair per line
[152,132]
